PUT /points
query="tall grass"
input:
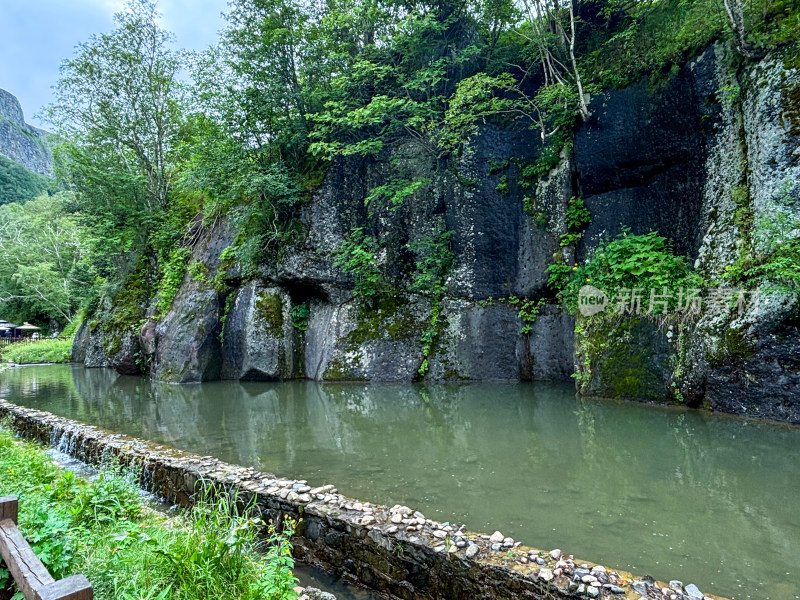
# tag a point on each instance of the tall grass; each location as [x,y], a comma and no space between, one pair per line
[43,351]
[103,529]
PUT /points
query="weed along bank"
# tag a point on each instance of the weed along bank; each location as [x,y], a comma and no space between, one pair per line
[396,551]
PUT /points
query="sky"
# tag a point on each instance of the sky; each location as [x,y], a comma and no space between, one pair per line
[36,35]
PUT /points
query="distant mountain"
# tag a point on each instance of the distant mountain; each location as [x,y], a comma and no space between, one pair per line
[21,142]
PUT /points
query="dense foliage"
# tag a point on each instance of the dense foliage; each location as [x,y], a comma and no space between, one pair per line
[104,529]
[18,184]
[770,253]
[634,262]
[45,272]
[292,87]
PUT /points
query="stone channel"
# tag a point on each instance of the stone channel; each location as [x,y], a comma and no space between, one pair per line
[394,551]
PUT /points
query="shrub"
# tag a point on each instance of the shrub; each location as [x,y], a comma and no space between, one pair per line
[631,261]
[357,257]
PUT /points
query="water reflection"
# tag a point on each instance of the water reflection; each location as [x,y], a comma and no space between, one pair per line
[659,491]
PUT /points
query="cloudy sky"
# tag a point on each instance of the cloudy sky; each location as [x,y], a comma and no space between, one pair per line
[36,35]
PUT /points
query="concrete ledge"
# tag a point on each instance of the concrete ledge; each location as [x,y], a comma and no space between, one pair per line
[395,551]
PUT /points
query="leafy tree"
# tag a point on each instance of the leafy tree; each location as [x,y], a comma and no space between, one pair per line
[118,105]
[44,271]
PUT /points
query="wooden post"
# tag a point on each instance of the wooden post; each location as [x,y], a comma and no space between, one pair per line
[9,507]
[32,577]
[26,568]
[76,587]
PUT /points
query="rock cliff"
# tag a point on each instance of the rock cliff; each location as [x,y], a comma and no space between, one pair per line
[21,142]
[679,158]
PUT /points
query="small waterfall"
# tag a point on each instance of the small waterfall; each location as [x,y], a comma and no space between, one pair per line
[82,450]
[59,439]
[148,476]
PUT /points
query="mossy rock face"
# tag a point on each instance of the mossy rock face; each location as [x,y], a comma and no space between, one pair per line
[626,358]
[388,317]
[356,341]
[259,341]
[130,302]
[269,309]
[734,348]
[477,343]
[111,338]
[791,99]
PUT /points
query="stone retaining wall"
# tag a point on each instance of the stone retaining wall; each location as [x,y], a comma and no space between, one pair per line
[395,551]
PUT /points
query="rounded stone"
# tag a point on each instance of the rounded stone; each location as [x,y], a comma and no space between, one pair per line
[546,575]
[694,592]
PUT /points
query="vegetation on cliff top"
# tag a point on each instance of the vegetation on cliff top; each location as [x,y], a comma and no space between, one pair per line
[292,87]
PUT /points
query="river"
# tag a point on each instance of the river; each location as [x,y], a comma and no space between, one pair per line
[668,492]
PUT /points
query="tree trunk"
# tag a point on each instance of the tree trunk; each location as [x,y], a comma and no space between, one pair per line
[584,110]
[735,12]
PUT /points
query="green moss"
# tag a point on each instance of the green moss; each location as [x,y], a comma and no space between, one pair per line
[338,370]
[269,309]
[615,359]
[531,209]
[230,298]
[131,301]
[335,371]
[454,375]
[743,217]
[390,318]
[128,308]
[791,100]
[113,344]
[734,348]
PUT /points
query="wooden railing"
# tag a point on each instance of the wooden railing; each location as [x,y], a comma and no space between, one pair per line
[33,579]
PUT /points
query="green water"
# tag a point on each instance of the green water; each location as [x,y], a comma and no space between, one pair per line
[675,494]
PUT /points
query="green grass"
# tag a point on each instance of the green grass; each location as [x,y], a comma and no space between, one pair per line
[103,529]
[43,351]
